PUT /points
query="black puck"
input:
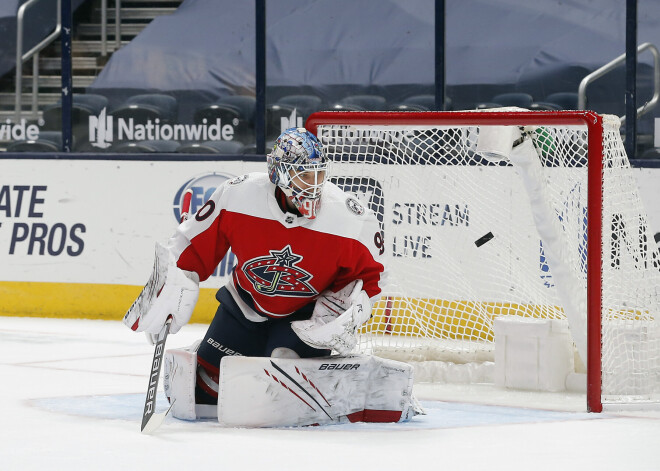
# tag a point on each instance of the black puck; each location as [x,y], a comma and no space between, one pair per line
[483,239]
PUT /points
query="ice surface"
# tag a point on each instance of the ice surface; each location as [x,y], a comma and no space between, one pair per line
[72,393]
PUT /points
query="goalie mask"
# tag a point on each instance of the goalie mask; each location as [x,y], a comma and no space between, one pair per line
[298,165]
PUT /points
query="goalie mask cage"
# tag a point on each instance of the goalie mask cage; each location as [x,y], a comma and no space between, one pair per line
[561,235]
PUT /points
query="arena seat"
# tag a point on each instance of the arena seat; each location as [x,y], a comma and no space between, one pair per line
[252,148]
[84,106]
[346,107]
[304,104]
[544,106]
[643,143]
[652,153]
[362,102]
[427,101]
[237,110]
[48,141]
[148,107]
[408,107]
[420,103]
[275,112]
[519,99]
[227,108]
[565,100]
[284,108]
[212,147]
[486,105]
[150,146]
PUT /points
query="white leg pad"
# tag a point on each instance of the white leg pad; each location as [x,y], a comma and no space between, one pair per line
[179,372]
[274,392]
[179,376]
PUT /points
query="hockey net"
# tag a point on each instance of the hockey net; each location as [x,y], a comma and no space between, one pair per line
[469,238]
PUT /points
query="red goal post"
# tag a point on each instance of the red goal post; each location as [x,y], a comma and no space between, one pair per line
[356,137]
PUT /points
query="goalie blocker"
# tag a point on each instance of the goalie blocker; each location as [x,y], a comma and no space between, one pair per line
[277,392]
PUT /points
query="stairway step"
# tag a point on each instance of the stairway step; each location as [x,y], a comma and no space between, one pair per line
[80,63]
[133,13]
[11,114]
[55,81]
[87,47]
[93,30]
[8,99]
[86,60]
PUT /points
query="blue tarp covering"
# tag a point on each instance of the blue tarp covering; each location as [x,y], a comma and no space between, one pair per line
[541,46]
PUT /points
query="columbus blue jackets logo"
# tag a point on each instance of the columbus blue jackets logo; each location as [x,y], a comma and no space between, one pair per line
[278,275]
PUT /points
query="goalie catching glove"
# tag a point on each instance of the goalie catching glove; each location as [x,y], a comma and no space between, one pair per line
[335,319]
[169,291]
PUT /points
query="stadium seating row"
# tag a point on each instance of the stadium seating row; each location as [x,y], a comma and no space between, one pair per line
[51,141]
[238,111]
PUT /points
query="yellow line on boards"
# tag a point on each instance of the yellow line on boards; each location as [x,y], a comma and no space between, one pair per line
[410,317]
[83,301]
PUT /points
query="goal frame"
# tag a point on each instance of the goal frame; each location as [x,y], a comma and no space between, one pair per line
[594,125]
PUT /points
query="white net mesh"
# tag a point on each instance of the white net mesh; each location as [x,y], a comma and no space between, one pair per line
[463,247]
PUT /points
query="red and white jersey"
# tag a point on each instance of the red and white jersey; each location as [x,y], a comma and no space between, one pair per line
[284,261]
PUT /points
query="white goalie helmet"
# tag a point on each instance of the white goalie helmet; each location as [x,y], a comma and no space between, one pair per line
[298,165]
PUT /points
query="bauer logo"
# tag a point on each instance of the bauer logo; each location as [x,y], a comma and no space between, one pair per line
[202,188]
[104,129]
[339,366]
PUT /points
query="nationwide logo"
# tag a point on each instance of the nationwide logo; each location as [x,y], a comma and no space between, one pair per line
[104,129]
[100,130]
[278,275]
[19,131]
[293,121]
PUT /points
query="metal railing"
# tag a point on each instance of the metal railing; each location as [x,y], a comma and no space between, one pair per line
[34,54]
[582,90]
[104,26]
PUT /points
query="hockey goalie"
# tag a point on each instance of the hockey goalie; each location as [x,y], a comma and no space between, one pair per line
[278,350]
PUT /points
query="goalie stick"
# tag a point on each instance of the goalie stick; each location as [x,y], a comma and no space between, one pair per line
[150,420]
